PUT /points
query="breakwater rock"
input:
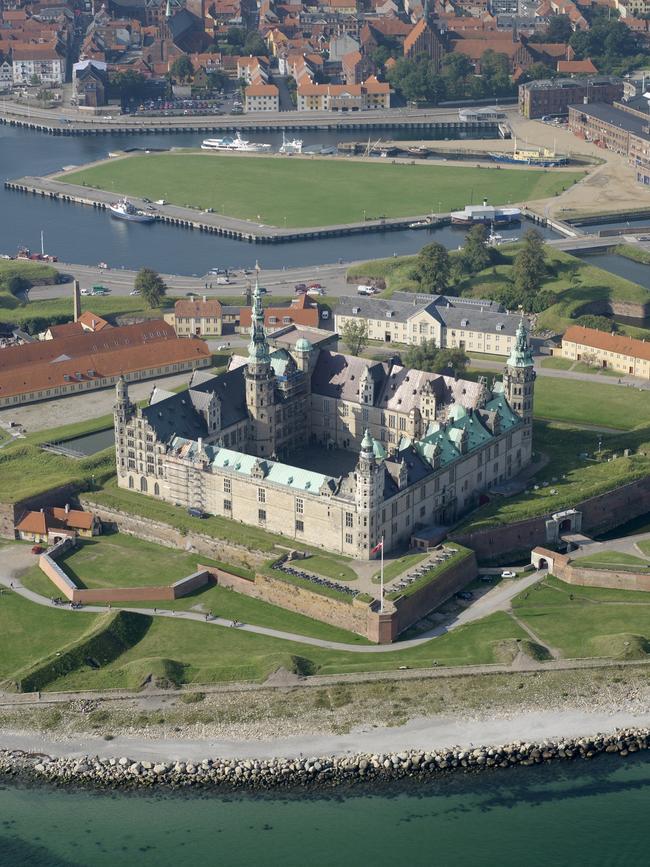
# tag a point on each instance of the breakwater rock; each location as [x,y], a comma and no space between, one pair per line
[313,772]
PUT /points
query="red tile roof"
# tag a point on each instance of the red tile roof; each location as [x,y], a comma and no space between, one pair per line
[576,66]
[196,308]
[53,519]
[618,343]
[302,311]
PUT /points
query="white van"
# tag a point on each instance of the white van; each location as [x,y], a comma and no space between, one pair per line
[325,314]
[223,281]
[366,290]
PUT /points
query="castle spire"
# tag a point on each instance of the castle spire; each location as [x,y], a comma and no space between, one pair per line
[258,348]
[521,354]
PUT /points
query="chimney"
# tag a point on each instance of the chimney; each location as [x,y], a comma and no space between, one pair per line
[205,298]
[585,100]
[67,508]
[76,300]
[200,444]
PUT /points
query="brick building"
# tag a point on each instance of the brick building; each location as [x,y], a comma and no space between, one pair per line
[554,96]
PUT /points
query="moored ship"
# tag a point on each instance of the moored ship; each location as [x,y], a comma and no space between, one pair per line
[125,210]
[531,156]
[472,214]
[228,143]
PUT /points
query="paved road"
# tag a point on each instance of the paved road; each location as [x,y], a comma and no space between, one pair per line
[623,382]
[18,558]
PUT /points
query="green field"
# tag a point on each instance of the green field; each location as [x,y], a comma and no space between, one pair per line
[305,192]
[618,560]
[587,621]
[596,403]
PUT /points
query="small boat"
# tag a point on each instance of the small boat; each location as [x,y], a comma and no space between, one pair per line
[125,210]
[422,224]
[420,153]
[290,146]
[494,238]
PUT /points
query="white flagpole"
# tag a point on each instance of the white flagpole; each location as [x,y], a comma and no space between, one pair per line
[381,580]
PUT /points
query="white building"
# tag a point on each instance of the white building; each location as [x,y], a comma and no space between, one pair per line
[38,61]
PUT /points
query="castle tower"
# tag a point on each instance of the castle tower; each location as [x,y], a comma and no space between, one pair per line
[260,384]
[123,412]
[302,354]
[519,378]
[368,495]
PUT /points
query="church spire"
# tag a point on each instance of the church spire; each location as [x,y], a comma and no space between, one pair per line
[521,354]
[258,348]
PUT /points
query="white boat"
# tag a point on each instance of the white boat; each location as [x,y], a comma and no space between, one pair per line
[124,210]
[494,238]
[228,143]
[472,214]
[422,224]
[290,146]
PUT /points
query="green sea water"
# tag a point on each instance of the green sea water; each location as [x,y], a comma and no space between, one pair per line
[586,813]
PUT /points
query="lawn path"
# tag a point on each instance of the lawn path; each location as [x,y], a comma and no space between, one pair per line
[16,559]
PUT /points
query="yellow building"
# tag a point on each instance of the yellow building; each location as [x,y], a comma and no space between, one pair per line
[625,355]
[196,316]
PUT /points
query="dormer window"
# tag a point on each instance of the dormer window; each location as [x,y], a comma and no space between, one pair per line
[464,323]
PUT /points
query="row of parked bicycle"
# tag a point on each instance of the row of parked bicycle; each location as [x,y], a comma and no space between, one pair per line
[315,579]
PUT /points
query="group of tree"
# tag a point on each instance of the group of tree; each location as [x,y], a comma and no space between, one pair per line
[128,85]
[476,254]
[420,80]
[610,44]
[524,289]
[433,269]
[182,69]
[239,41]
[430,358]
[600,323]
[151,286]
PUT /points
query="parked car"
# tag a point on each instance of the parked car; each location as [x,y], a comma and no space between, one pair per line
[325,314]
[37,549]
[134,292]
[465,594]
[301,291]
[315,286]
[508,573]
[300,287]
[366,290]
[196,513]
[100,290]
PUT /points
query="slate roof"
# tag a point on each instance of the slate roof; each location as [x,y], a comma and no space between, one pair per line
[179,414]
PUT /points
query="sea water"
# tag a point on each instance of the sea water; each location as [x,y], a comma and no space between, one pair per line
[582,813]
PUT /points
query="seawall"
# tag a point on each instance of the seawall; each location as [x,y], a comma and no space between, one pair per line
[314,773]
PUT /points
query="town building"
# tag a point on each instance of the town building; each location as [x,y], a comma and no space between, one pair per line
[301,311]
[52,525]
[86,360]
[329,449]
[195,316]
[617,352]
[371,94]
[619,128]
[471,324]
[35,62]
[424,39]
[554,96]
[262,97]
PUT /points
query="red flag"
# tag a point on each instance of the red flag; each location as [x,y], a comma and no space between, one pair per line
[378,547]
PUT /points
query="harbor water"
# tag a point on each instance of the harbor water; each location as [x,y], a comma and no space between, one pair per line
[82,235]
[569,815]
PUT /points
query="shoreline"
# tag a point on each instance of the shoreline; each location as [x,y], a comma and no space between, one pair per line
[315,772]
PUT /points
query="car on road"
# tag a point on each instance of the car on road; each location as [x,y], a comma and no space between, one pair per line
[223,281]
[217,271]
[100,290]
[508,573]
[134,292]
[300,287]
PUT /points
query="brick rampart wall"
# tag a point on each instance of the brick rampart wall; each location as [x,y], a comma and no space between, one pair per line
[163,593]
[599,514]
[566,569]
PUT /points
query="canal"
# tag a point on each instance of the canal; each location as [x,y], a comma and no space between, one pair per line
[78,234]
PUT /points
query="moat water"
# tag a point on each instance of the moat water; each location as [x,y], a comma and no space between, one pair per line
[587,813]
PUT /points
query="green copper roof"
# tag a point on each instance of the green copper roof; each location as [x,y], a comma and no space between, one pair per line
[303,345]
[521,354]
[367,443]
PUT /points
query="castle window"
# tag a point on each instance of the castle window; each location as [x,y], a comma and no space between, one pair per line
[227,486]
[402,423]
[143,485]
[156,489]
[261,495]
[300,526]
[227,505]
[300,506]
[348,538]
[261,515]
[349,519]
[130,481]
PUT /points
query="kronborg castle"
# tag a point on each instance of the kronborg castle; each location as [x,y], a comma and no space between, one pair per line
[420,448]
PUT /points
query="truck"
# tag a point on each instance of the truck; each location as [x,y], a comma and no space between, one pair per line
[366,290]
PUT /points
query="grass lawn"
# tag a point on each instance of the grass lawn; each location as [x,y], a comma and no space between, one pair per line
[200,653]
[487,356]
[595,403]
[573,477]
[613,560]
[308,193]
[117,560]
[644,547]
[328,568]
[587,621]
[30,632]
[556,363]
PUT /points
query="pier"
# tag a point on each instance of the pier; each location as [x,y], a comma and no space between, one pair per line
[212,223]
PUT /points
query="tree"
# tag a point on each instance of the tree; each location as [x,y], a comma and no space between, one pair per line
[182,69]
[559,30]
[235,36]
[433,269]
[428,357]
[417,80]
[600,323]
[16,284]
[129,84]
[530,266]
[254,44]
[476,254]
[151,286]
[355,335]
